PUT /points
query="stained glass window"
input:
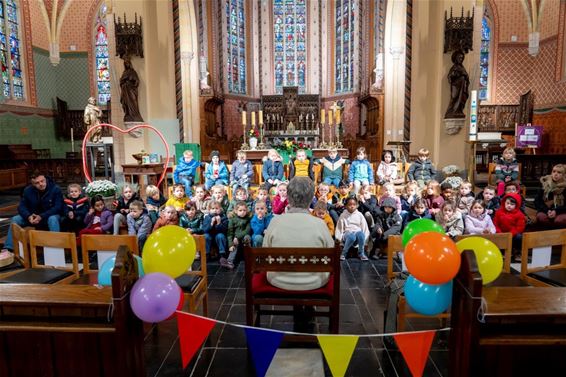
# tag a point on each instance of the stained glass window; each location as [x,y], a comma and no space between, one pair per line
[101,57]
[290,30]
[10,57]
[484,59]
[344,64]
[236,34]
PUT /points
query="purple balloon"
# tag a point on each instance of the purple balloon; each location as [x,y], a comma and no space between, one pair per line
[155,297]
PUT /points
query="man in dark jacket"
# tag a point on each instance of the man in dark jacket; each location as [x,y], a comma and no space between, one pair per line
[41,206]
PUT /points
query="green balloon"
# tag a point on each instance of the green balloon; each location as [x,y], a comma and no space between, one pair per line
[420,226]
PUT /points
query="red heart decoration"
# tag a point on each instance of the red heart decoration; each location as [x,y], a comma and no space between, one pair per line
[87,134]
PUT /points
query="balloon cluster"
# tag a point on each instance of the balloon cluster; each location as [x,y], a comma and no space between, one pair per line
[433,260]
[167,254]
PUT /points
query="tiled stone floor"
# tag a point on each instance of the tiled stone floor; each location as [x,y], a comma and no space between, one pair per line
[224,353]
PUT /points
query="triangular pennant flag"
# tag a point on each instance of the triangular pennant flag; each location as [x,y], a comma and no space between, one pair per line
[415,348]
[263,344]
[193,330]
[338,350]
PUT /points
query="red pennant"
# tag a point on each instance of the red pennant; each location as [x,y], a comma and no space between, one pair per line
[193,330]
[415,348]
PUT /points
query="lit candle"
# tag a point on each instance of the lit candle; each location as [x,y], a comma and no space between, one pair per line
[253,118]
[337,114]
[330,118]
[243,118]
[72,141]
[261,117]
[322,115]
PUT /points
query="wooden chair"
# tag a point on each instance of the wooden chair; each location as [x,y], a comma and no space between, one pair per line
[21,245]
[106,246]
[548,276]
[195,283]
[317,171]
[44,273]
[259,292]
[491,177]
[258,168]
[394,245]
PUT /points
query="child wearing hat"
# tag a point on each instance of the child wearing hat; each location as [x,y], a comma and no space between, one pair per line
[216,172]
[388,222]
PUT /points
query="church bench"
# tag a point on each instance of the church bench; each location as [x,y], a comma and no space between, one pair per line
[505,331]
[72,330]
[546,276]
[260,295]
[12,178]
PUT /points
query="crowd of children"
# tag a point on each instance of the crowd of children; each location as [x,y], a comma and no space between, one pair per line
[354,215]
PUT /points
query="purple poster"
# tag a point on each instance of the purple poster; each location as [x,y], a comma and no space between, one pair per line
[528,136]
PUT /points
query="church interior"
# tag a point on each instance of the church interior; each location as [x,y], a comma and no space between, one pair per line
[128,93]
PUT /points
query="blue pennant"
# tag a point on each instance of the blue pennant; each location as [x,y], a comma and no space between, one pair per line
[263,344]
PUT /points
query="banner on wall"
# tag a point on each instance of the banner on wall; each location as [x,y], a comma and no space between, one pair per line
[528,136]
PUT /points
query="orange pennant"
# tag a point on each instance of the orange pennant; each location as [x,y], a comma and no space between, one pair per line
[415,348]
[193,330]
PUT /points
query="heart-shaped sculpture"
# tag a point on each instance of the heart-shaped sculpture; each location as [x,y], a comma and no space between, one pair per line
[92,129]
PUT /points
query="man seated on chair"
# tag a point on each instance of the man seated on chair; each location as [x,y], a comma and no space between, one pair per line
[41,206]
[288,230]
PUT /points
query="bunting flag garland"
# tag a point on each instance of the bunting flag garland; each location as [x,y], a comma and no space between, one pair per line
[263,344]
[415,348]
[193,330]
[338,350]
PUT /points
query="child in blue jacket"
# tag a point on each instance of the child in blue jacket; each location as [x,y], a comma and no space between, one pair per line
[216,173]
[361,173]
[260,221]
[185,171]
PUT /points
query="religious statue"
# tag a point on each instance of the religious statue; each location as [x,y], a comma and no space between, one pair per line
[91,119]
[459,87]
[129,83]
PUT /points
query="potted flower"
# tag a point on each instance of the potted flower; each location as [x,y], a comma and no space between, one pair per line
[105,188]
[253,134]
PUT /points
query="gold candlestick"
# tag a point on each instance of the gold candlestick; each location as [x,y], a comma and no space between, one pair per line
[245,145]
[261,144]
[323,143]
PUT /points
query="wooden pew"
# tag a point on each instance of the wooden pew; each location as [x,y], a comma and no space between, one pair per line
[72,330]
[519,331]
[547,276]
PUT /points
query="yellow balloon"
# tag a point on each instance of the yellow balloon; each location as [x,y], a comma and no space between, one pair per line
[169,250]
[488,256]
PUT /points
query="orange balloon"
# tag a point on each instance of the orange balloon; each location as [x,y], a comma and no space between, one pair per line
[432,258]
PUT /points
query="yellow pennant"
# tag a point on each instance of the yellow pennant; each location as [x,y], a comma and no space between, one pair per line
[338,350]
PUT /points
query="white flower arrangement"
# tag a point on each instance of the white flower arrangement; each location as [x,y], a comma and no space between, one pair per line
[103,187]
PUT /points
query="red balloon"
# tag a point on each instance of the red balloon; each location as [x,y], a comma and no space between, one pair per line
[432,258]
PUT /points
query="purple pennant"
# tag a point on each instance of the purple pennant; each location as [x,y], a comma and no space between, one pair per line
[263,344]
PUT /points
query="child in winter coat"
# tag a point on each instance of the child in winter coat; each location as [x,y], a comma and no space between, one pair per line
[169,216]
[262,195]
[465,198]
[408,198]
[332,167]
[139,223]
[155,200]
[490,200]
[215,226]
[185,170]
[191,219]
[450,219]
[422,170]
[76,208]
[352,227]
[433,198]
[388,191]
[259,223]
[242,172]
[506,169]
[123,206]
[368,205]
[509,218]
[240,195]
[239,233]
[321,211]
[272,170]
[215,172]
[99,219]
[419,210]
[280,200]
[477,221]
[361,173]
[178,199]
[338,201]
[388,223]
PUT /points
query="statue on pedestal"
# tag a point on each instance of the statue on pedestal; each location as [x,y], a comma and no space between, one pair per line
[459,87]
[129,83]
[91,119]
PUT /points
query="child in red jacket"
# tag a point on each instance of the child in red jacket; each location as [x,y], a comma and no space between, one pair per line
[509,218]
